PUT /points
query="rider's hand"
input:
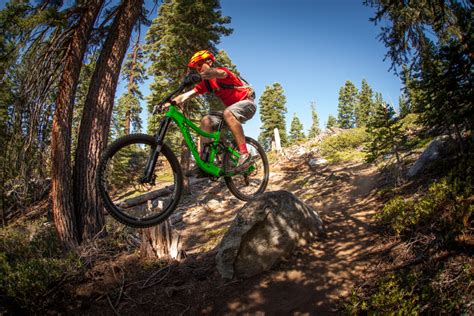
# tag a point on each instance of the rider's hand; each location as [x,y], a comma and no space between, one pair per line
[173,102]
[165,106]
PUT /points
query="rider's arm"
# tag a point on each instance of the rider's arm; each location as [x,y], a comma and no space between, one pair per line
[180,99]
[212,73]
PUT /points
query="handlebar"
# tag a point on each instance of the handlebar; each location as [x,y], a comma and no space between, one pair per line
[189,80]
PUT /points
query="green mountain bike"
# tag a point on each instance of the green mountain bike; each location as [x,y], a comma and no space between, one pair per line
[140,180]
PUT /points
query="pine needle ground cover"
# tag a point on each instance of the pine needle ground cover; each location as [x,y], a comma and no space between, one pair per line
[428,267]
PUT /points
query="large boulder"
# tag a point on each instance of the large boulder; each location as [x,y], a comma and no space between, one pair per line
[431,153]
[264,231]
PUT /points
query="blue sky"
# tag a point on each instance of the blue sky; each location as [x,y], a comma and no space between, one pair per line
[310,47]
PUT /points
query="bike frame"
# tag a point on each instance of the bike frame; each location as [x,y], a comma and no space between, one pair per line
[173,114]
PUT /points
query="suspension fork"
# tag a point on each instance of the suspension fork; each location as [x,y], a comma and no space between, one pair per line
[151,163]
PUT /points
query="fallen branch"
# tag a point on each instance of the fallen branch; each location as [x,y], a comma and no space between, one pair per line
[145,197]
[145,285]
[112,306]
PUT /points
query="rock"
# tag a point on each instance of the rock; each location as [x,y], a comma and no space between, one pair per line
[315,162]
[264,231]
[431,153]
[300,151]
[214,205]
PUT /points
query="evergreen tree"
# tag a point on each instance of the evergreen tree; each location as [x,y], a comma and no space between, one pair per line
[433,42]
[272,114]
[62,190]
[403,107]
[32,57]
[223,60]
[411,94]
[127,112]
[364,107]
[347,104]
[181,28]
[314,130]
[96,118]
[332,121]
[385,132]
[296,129]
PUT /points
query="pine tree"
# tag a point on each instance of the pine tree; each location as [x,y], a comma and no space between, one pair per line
[127,112]
[272,114]
[347,104]
[61,137]
[35,57]
[403,107]
[181,28]
[314,130]
[96,118]
[223,60]
[332,121]
[432,41]
[296,129]
[385,132]
[364,107]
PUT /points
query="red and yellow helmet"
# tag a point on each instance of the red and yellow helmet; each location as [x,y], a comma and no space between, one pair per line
[200,55]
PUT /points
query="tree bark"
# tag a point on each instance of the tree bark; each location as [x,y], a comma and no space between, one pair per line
[95,123]
[61,171]
[161,242]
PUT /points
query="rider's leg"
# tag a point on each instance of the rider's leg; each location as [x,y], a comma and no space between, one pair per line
[206,125]
[236,129]
[233,116]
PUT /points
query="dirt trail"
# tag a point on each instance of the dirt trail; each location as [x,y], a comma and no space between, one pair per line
[317,277]
[312,281]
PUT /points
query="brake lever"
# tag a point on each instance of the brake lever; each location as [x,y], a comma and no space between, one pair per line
[156,109]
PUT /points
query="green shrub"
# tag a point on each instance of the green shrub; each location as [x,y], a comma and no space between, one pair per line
[413,292]
[432,288]
[443,208]
[345,146]
[437,283]
[389,296]
[410,122]
[31,263]
[272,156]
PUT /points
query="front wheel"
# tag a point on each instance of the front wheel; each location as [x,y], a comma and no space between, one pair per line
[119,176]
[252,182]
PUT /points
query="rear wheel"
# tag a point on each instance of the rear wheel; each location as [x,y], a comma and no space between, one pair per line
[248,184]
[128,200]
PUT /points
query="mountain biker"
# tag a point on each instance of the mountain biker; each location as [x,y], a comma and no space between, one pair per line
[236,95]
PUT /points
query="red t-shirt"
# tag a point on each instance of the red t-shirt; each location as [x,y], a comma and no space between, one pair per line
[228,96]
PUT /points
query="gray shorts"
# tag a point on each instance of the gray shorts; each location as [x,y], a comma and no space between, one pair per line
[243,111]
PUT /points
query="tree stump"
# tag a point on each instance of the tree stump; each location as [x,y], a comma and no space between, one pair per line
[162,242]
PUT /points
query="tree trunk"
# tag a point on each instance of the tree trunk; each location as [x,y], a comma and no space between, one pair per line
[161,242]
[95,123]
[61,172]
[278,148]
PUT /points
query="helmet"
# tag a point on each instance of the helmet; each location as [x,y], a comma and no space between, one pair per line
[200,55]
